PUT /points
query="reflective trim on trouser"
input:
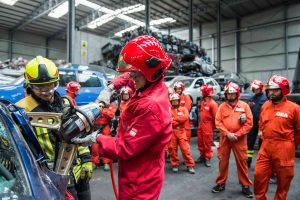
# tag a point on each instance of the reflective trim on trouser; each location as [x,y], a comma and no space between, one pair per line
[185,150]
[240,154]
[250,153]
[205,141]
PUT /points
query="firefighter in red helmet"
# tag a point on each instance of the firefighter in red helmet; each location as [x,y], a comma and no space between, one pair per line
[185,100]
[72,89]
[208,110]
[234,121]
[279,123]
[126,94]
[145,126]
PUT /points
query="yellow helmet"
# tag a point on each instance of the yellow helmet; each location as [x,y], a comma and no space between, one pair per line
[41,70]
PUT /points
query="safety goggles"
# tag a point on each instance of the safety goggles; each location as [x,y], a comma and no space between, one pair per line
[44,89]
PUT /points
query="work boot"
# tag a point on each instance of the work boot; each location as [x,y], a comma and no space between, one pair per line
[106,167]
[175,169]
[247,192]
[218,188]
[207,163]
[200,160]
[191,170]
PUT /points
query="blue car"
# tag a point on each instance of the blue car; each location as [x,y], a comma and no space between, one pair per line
[23,171]
[92,83]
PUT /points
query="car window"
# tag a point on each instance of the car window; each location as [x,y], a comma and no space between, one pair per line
[65,77]
[88,79]
[12,175]
[199,82]
[209,81]
[187,83]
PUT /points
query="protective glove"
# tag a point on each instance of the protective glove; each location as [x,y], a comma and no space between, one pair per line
[105,95]
[86,171]
[86,141]
[243,118]
[232,137]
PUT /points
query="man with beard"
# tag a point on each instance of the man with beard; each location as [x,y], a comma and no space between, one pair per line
[234,121]
[255,103]
[280,126]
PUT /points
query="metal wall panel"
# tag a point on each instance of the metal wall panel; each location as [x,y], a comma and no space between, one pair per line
[262,48]
[262,63]
[93,50]
[293,28]
[228,65]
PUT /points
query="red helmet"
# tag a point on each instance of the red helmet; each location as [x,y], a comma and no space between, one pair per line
[126,90]
[179,84]
[174,96]
[278,81]
[170,90]
[144,54]
[231,87]
[207,90]
[72,87]
[257,84]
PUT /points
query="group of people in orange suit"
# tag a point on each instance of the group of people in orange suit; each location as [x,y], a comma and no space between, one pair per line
[276,122]
[279,129]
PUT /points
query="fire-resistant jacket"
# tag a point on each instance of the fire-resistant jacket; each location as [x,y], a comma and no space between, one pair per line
[144,131]
[280,122]
[179,117]
[208,112]
[106,115]
[227,119]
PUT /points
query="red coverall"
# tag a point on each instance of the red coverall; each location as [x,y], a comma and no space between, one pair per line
[179,117]
[104,120]
[280,125]
[144,130]
[206,127]
[185,100]
[227,121]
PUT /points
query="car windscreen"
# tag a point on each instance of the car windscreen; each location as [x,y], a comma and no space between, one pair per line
[12,175]
[88,79]
[65,77]
[168,78]
[187,82]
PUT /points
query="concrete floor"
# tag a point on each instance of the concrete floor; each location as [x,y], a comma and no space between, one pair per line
[192,187]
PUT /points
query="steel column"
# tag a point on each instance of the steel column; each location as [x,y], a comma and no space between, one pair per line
[71,30]
[219,35]
[10,45]
[238,47]
[191,20]
[147,16]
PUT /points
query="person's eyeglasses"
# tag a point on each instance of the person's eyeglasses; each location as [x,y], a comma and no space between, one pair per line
[44,88]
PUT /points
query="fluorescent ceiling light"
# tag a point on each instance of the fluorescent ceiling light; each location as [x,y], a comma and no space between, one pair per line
[62,9]
[119,34]
[117,13]
[162,21]
[8,2]
[100,21]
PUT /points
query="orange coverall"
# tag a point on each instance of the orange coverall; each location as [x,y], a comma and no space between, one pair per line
[179,117]
[227,121]
[104,119]
[280,126]
[185,100]
[123,105]
[206,127]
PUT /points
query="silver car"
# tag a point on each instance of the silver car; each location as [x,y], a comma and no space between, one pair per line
[192,86]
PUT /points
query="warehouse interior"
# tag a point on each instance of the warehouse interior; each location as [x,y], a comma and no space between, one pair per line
[258,38]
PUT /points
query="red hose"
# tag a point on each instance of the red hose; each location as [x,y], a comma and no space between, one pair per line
[113,180]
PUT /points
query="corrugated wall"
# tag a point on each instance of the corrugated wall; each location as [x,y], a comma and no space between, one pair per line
[262,47]
[28,45]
